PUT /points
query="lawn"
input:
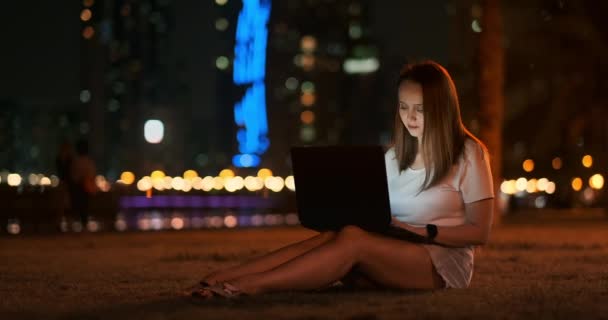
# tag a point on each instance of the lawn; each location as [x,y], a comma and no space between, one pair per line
[541,267]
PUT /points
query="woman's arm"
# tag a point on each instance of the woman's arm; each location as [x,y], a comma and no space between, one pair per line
[475,231]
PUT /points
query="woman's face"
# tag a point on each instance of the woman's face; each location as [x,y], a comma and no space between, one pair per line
[411,108]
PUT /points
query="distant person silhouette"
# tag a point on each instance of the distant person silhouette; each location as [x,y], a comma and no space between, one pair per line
[82,181]
[63,162]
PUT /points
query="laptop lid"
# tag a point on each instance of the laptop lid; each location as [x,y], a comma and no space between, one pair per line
[341,185]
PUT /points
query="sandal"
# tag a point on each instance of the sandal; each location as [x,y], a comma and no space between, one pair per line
[225,290]
[197,290]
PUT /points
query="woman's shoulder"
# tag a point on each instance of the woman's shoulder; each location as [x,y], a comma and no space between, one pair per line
[474,153]
[474,149]
[390,153]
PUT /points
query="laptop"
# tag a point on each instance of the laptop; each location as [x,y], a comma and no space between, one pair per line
[338,186]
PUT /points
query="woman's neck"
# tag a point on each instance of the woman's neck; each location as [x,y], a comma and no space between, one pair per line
[418,162]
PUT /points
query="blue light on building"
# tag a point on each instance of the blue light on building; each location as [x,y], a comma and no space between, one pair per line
[249,70]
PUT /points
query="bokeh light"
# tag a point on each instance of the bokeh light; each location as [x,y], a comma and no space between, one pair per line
[556,163]
[577,184]
[550,189]
[154,131]
[190,174]
[227,173]
[290,183]
[307,117]
[88,32]
[14,179]
[587,161]
[127,177]
[596,181]
[264,173]
[528,165]
[85,15]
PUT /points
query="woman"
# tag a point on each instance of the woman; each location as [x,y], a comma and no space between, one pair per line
[440,186]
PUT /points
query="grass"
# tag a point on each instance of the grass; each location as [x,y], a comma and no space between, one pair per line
[541,268]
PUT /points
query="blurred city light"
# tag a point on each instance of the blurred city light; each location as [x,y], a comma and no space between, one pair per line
[190,174]
[308,44]
[222,62]
[528,165]
[307,117]
[88,32]
[596,181]
[355,31]
[361,66]
[577,184]
[550,189]
[542,184]
[226,173]
[476,26]
[157,174]
[230,221]
[45,181]
[85,15]
[207,183]
[253,183]
[308,87]
[531,186]
[521,184]
[587,161]
[264,173]
[221,24]
[275,184]
[33,179]
[556,163]
[290,183]
[154,131]
[218,183]
[13,227]
[127,177]
[13,180]
[291,83]
[102,184]
[307,99]
[54,181]
[144,184]
[250,70]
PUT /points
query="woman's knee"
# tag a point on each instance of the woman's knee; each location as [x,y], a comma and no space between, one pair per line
[351,233]
[328,235]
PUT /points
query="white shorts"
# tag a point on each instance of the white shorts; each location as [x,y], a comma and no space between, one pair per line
[454,265]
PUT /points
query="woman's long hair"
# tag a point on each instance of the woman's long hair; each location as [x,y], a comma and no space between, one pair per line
[444,133]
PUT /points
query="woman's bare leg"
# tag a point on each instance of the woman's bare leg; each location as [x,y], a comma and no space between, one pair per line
[388,262]
[270,260]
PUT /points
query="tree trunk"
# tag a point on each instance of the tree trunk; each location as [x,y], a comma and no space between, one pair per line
[491,95]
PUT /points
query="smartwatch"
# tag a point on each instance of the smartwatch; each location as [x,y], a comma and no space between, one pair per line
[431,232]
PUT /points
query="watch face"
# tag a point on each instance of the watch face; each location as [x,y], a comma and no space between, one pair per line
[431,231]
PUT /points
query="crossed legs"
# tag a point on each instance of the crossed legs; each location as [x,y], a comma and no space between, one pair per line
[321,260]
[270,260]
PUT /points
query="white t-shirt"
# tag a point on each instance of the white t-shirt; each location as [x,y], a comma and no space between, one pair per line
[469,180]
